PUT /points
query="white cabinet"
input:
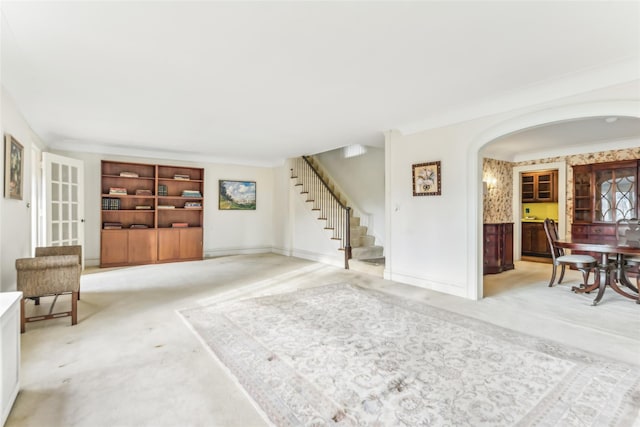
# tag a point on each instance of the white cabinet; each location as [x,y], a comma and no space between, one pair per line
[9,350]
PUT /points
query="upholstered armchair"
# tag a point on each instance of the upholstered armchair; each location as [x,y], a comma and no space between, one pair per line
[50,273]
[75,250]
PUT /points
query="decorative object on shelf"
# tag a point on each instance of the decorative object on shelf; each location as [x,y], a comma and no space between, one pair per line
[179,224]
[143,207]
[162,190]
[112,226]
[139,226]
[237,195]
[166,207]
[143,192]
[192,205]
[126,174]
[426,179]
[191,193]
[181,177]
[117,191]
[13,168]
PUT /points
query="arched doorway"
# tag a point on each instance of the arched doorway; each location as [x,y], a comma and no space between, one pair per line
[535,119]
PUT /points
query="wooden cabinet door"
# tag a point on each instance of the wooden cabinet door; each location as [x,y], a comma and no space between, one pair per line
[114,247]
[491,259]
[546,186]
[540,244]
[527,237]
[507,247]
[143,246]
[191,243]
[168,244]
[528,187]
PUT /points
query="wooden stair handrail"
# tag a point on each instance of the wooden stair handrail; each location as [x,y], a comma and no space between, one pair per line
[346,238]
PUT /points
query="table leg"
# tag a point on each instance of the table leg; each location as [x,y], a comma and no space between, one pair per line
[602,284]
[622,278]
[622,275]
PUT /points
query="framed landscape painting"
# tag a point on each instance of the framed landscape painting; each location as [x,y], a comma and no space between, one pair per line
[237,195]
[426,179]
[13,168]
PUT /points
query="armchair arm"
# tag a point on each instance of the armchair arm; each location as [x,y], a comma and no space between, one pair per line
[60,250]
[44,262]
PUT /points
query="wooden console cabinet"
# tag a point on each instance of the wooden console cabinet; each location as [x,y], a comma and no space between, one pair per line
[150,213]
[498,248]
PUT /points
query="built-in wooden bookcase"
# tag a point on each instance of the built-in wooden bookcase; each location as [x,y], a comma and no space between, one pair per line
[150,213]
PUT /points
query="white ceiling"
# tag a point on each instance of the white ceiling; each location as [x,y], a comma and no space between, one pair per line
[566,137]
[257,82]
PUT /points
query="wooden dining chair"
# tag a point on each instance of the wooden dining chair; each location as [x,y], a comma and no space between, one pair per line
[628,232]
[584,263]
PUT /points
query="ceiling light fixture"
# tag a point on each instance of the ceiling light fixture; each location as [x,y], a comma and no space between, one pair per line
[611,119]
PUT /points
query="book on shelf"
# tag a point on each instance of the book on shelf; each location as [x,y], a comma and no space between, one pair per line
[181,177]
[179,224]
[143,192]
[139,226]
[129,174]
[112,225]
[109,204]
[162,190]
[192,205]
[118,191]
[142,207]
[166,207]
[191,193]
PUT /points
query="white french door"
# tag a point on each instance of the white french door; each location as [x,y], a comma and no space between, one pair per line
[64,200]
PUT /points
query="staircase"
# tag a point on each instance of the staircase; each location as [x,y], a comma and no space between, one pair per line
[334,211]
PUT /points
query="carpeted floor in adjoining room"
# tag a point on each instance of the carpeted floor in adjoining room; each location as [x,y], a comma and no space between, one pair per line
[131,361]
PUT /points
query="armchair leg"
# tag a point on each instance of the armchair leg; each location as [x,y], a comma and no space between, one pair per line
[74,307]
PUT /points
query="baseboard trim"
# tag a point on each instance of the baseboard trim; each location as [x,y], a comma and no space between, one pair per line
[422,282]
[213,253]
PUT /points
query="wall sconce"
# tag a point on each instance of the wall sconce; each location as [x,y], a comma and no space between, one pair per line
[488,184]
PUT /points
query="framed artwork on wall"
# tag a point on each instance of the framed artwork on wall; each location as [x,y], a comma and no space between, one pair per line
[426,179]
[13,168]
[237,195]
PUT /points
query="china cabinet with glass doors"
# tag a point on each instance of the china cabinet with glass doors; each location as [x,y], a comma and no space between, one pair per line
[604,193]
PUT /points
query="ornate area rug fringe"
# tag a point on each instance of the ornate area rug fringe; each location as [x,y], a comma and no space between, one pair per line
[343,355]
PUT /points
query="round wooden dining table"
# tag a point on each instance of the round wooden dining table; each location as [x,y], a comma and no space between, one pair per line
[618,248]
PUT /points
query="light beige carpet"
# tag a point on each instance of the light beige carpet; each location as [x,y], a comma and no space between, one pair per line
[345,355]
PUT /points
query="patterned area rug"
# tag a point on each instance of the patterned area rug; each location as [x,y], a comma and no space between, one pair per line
[342,355]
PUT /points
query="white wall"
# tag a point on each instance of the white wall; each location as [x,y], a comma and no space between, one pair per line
[361,180]
[436,241]
[15,216]
[225,232]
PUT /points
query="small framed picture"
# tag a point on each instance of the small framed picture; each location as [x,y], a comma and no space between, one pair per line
[13,168]
[426,179]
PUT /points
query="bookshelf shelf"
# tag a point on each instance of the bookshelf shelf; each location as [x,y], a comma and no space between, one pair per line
[133,236]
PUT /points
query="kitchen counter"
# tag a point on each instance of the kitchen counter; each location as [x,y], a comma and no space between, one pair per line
[535,220]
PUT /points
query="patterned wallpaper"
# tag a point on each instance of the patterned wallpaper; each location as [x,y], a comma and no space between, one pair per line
[498,197]
[498,200]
